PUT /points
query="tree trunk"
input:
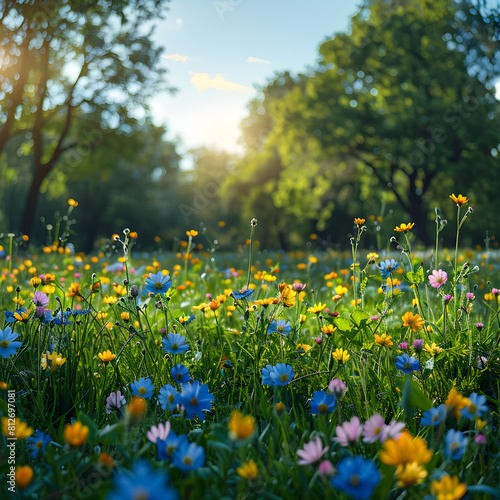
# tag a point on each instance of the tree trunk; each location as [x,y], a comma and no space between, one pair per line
[31,202]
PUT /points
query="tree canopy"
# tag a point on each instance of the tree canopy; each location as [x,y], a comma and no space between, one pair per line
[402,106]
[70,73]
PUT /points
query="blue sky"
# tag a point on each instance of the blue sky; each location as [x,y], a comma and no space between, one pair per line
[208,43]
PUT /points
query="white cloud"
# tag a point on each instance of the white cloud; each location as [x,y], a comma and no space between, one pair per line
[179,22]
[202,82]
[256,60]
[176,57]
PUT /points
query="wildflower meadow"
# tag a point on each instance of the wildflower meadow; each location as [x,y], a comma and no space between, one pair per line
[250,375]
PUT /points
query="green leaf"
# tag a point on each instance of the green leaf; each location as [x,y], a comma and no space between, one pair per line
[86,420]
[343,324]
[416,277]
[360,318]
[413,397]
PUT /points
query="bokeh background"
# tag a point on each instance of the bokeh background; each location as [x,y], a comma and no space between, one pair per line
[163,116]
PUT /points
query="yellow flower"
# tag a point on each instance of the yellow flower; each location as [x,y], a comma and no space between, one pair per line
[106,356]
[459,200]
[3,385]
[303,348]
[192,233]
[24,475]
[415,322]
[136,410]
[74,289]
[18,429]
[341,290]
[328,329]
[410,474]
[56,360]
[279,406]
[125,316]
[448,488]
[248,471]
[359,222]
[404,228]
[317,308]
[383,340]
[341,355]
[240,427]
[432,349]
[480,424]
[72,202]
[110,300]
[22,316]
[119,289]
[287,295]
[35,282]
[405,450]
[76,434]
[456,402]
[372,257]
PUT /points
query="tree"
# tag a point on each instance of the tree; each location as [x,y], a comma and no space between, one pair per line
[70,71]
[404,101]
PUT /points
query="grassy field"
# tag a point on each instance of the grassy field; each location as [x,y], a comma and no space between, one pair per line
[250,375]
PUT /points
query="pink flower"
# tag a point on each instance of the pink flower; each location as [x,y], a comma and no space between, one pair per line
[312,452]
[373,429]
[326,468]
[349,432]
[161,431]
[114,401]
[480,439]
[337,388]
[438,278]
[392,431]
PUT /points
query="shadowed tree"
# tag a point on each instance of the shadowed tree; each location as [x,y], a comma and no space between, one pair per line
[70,71]
[405,99]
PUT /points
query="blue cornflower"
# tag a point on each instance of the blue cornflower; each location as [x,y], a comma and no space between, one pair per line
[323,403]
[8,342]
[9,317]
[37,443]
[476,408]
[157,283]
[242,294]
[282,374]
[62,318]
[456,443]
[168,397]
[280,326]
[166,447]
[434,416]
[196,398]
[82,312]
[188,456]
[357,477]
[47,318]
[143,482]
[387,267]
[142,387]
[266,375]
[407,364]
[175,343]
[180,374]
